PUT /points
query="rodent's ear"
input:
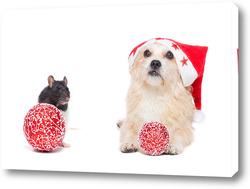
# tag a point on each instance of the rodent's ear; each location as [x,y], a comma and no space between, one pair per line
[65,80]
[51,80]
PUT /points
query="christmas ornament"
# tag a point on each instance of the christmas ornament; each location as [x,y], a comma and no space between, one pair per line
[44,127]
[190,61]
[153,138]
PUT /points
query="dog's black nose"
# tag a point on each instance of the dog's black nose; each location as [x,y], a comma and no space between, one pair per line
[155,64]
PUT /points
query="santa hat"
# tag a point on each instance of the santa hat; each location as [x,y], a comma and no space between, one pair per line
[190,60]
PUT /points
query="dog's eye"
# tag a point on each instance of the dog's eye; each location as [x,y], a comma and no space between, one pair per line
[147,53]
[169,55]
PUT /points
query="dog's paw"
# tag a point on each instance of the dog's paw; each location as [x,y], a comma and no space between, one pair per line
[174,149]
[129,147]
[119,123]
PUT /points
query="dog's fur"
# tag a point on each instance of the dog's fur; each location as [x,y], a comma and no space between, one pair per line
[161,97]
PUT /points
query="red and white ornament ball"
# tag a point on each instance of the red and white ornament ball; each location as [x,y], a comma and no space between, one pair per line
[153,138]
[44,127]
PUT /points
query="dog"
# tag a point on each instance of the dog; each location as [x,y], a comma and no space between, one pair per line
[157,93]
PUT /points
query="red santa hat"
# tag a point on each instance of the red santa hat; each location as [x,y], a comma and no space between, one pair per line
[190,60]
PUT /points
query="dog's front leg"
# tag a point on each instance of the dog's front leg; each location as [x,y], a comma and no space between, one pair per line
[128,137]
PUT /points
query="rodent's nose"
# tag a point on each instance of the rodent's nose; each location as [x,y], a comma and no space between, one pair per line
[155,64]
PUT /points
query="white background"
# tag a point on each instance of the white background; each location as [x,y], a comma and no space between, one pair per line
[108,179]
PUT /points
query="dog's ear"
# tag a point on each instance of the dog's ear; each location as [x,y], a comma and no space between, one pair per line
[51,81]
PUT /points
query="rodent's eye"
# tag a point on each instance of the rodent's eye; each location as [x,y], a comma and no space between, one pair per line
[169,55]
[147,53]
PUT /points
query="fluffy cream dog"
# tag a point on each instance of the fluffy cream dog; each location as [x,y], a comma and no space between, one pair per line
[157,93]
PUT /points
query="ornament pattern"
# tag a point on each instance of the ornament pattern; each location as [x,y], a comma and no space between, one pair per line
[153,138]
[44,127]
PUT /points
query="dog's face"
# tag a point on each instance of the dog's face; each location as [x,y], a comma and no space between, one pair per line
[155,65]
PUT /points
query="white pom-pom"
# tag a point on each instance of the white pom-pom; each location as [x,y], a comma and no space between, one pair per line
[198,116]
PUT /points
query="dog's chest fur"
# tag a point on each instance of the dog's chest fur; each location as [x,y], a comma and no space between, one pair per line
[147,104]
[173,107]
[152,104]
